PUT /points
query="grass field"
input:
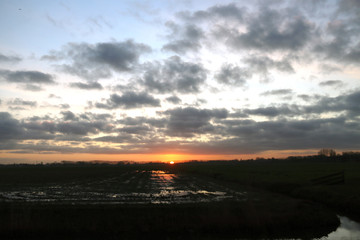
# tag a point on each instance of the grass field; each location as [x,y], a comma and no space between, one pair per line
[292,178]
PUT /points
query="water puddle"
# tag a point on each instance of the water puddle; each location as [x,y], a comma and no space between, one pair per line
[348,230]
[141,187]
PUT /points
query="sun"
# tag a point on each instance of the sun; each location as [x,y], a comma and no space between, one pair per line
[172,162]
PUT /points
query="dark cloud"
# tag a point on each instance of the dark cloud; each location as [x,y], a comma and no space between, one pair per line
[21,102]
[30,77]
[10,128]
[328,68]
[277,92]
[190,34]
[183,38]
[320,104]
[173,99]
[82,127]
[353,55]
[64,106]
[256,137]
[9,59]
[187,122]
[135,130]
[308,98]
[96,116]
[68,115]
[232,75]
[129,100]
[174,75]
[230,11]
[87,86]
[340,36]
[284,110]
[54,96]
[270,30]
[351,10]
[262,65]
[345,103]
[121,138]
[331,83]
[29,80]
[139,121]
[69,124]
[94,61]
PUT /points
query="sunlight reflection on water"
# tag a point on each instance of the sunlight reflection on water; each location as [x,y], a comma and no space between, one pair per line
[348,230]
[140,187]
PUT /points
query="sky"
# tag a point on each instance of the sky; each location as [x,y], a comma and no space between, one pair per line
[177,79]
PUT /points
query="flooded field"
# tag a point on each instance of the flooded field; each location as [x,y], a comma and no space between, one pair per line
[137,187]
[133,201]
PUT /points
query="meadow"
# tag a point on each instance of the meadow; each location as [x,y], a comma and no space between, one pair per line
[293,177]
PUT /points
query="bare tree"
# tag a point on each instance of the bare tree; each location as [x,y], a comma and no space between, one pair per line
[327,152]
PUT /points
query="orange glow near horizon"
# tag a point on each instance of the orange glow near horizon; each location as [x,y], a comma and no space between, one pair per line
[7,158]
[172,162]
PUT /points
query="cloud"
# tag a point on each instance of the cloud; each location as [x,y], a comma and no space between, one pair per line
[64,106]
[331,83]
[277,92]
[87,86]
[129,100]
[68,115]
[284,110]
[232,75]
[328,68]
[230,11]
[29,80]
[253,137]
[173,100]
[345,103]
[121,138]
[271,30]
[54,96]
[69,124]
[262,65]
[174,75]
[339,41]
[320,104]
[154,122]
[81,127]
[96,116]
[10,128]
[9,59]
[135,130]
[187,122]
[183,38]
[95,61]
[32,77]
[22,103]
[194,27]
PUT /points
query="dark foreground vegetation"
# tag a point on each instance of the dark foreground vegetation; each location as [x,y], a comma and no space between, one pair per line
[282,201]
[293,177]
[180,221]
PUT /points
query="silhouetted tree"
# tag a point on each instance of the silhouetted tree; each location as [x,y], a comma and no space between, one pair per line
[328,152]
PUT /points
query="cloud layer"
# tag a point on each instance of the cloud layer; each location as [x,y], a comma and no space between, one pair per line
[207,78]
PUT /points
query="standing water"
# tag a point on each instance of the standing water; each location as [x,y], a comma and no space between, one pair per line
[348,230]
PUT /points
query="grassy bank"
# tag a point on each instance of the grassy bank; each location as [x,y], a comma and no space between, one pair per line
[290,177]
